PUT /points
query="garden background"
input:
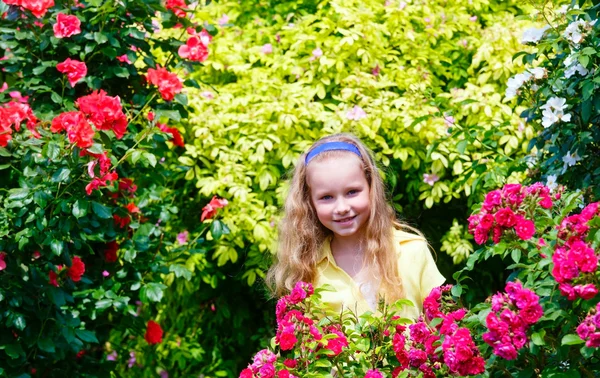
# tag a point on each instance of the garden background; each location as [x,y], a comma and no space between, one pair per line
[145,147]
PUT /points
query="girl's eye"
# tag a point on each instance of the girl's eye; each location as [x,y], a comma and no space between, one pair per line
[326,197]
[352,192]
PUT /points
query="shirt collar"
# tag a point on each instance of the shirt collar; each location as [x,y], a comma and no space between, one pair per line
[326,251]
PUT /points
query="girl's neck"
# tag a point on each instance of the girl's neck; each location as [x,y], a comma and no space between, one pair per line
[351,245]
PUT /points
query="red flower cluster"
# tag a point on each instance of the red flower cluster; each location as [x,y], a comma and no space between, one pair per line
[78,128]
[105,112]
[74,69]
[589,329]
[168,83]
[53,277]
[77,269]
[211,208]
[105,177]
[575,262]
[460,353]
[196,47]
[416,348]
[12,114]
[177,138]
[66,26]
[154,333]
[37,7]
[512,313]
[177,6]
[110,253]
[504,210]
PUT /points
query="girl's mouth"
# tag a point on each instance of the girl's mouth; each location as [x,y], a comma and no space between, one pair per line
[345,220]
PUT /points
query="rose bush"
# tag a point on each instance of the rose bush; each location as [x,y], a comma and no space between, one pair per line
[536,325]
[89,213]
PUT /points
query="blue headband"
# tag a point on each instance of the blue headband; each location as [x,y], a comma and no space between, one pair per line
[331,146]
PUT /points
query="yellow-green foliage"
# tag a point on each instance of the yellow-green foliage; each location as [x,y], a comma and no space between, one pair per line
[436,60]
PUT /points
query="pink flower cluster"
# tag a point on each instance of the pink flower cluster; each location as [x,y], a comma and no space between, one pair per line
[263,366]
[504,210]
[512,313]
[589,329]
[460,353]
[575,261]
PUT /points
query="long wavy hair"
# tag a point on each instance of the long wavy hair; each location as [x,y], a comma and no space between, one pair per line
[301,234]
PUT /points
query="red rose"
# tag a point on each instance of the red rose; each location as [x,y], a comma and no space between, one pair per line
[210,209]
[77,269]
[177,138]
[168,83]
[194,49]
[110,253]
[66,26]
[13,114]
[132,208]
[177,6]
[100,182]
[37,7]
[74,69]
[126,184]
[506,217]
[77,127]
[105,112]
[247,373]
[154,333]
[122,222]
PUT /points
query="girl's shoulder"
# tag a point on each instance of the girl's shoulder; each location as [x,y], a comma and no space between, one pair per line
[403,237]
[410,246]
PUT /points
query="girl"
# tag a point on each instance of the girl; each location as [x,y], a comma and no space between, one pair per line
[338,229]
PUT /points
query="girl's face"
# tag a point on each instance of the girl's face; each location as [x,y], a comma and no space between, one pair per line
[340,194]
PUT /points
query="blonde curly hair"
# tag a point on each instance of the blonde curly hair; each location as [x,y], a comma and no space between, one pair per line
[301,234]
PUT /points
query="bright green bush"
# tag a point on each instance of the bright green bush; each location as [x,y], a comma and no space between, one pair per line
[430,78]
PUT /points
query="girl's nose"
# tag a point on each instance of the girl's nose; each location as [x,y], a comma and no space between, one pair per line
[342,207]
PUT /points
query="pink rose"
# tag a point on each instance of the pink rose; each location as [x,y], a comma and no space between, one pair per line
[524,228]
[506,217]
[66,26]
[74,69]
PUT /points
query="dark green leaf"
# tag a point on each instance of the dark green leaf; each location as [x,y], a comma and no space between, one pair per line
[216,229]
[87,336]
[47,345]
[80,208]
[101,210]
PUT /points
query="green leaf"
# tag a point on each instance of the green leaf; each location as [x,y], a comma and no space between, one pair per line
[80,208]
[4,152]
[462,146]
[87,336]
[571,339]
[14,350]
[154,291]
[96,148]
[104,303]
[181,271]
[61,175]
[55,97]
[101,210]
[538,337]
[57,296]
[151,158]
[57,247]
[52,151]
[181,98]
[47,345]
[516,255]
[100,38]
[17,194]
[39,69]
[216,229]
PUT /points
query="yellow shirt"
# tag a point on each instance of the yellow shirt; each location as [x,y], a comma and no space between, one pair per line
[418,273]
